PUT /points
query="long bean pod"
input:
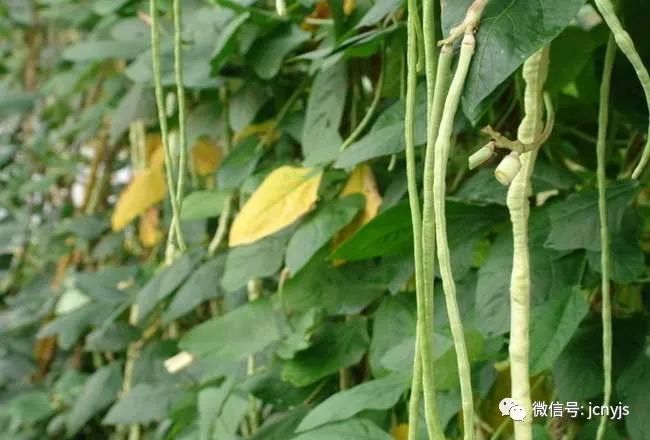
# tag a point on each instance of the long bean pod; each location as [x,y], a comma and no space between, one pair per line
[534,73]
[625,43]
[601,148]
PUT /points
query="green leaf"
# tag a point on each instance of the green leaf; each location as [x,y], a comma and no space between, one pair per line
[28,407]
[510,31]
[376,394]
[280,427]
[267,54]
[634,389]
[555,323]
[339,290]
[337,346]
[164,283]
[203,204]
[135,105]
[355,429]
[325,106]
[245,104]
[393,324]
[387,234]
[201,286]
[627,260]
[260,259]
[314,233]
[99,391]
[102,50]
[210,402]
[242,332]
[115,337]
[239,164]
[377,11]
[145,403]
[224,45]
[575,223]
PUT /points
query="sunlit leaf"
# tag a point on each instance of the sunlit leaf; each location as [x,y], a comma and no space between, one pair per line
[285,195]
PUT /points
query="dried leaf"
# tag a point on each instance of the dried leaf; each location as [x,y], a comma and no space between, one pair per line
[285,195]
[267,130]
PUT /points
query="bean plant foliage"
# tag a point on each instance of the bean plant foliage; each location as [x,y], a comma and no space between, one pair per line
[206,225]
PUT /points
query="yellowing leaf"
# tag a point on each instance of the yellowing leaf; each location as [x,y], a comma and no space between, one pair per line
[153,143]
[149,232]
[362,181]
[266,129]
[145,190]
[206,157]
[349,6]
[400,432]
[285,195]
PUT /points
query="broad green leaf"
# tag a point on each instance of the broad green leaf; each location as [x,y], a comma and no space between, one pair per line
[283,197]
[555,323]
[627,260]
[378,11]
[387,234]
[506,38]
[245,104]
[135,105]
[201,286]
[203,204]
[210,402]
[578,371]
[355,429]
[337,346]
[145,403]
[319,229]
[239,164]
[320,137]
[394,323]
[346,289]
[575,223]
[164,283]
[242,332]
[280,427]
[234,410]
[381,142]
[101,50]
[260,259]
[99,391]
[634,389]
[224,45]
[376,394]
[69,327]
[115,336]
[28,407]
[267,54]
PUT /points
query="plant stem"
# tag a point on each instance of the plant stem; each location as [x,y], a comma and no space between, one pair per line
[601,150]
[441,153]
[180,92]
[369,113]
[534,74]
[625,43]
[425,312]
[431,417]
[164,129]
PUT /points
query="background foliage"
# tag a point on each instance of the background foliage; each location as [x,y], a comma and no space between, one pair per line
[300,323]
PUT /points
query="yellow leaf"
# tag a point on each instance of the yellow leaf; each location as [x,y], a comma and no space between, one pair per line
[349,6]
[149,232]
[145,190]
[361,181]
[400,432]
[206,157]
[285,195]
[153,144]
